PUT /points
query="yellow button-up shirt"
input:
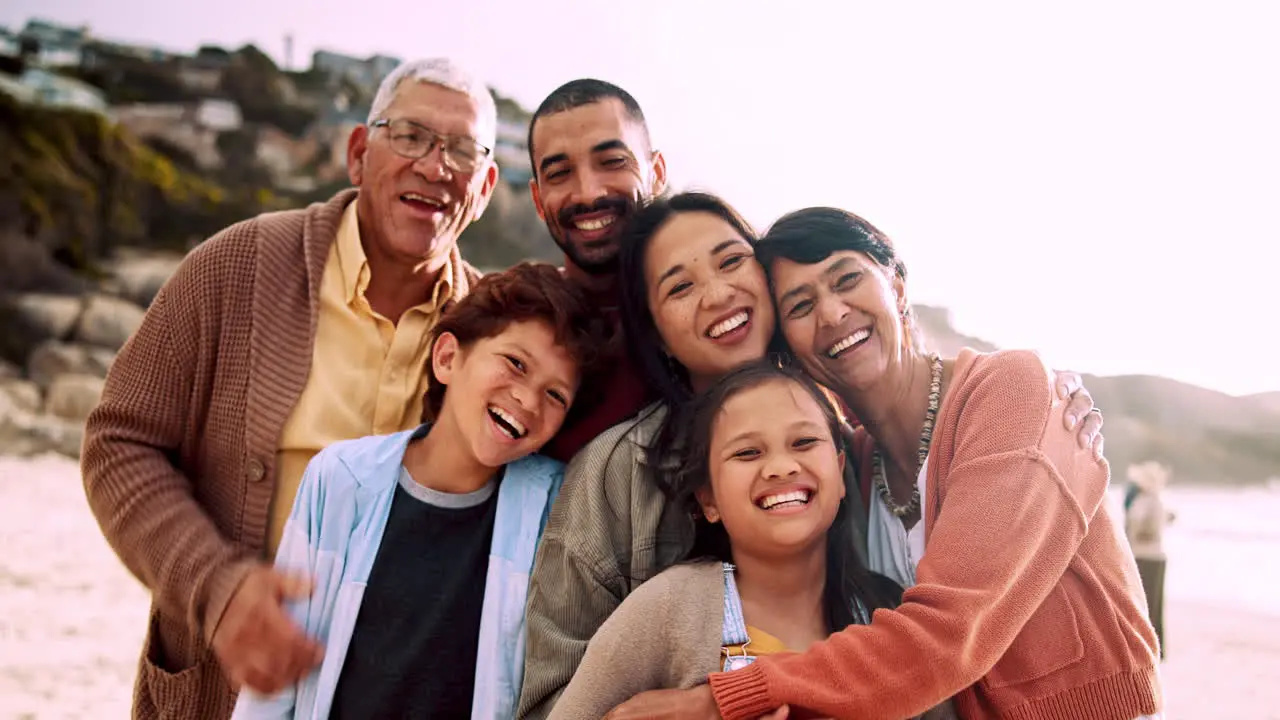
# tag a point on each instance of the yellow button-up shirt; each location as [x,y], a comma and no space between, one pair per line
[368,374]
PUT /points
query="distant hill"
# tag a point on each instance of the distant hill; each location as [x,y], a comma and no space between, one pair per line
[1269,400]
[1206,436]
[942,336]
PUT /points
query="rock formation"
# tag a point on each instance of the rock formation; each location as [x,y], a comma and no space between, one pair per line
[71,341]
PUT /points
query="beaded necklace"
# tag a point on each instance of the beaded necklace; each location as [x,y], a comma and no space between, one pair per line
[926,435]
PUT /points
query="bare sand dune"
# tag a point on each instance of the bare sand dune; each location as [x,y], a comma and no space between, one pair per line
[71,617]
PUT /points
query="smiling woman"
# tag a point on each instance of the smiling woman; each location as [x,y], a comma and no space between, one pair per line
[709,300]
[695,306]
[695,301]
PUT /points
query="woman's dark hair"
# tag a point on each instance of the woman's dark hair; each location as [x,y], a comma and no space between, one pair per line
[811,235]
[848,582]
[528,291]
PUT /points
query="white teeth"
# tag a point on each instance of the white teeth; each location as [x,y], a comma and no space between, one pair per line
[423,199]
[597,224]
[849,342]
[731,324]
[772,501]
[509,419]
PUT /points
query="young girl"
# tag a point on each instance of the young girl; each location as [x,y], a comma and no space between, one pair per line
[419,544]
[772,567]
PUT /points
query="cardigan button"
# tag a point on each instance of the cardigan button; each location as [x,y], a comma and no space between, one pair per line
[255,471]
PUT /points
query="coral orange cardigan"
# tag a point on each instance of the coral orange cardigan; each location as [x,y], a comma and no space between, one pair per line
[1027,602]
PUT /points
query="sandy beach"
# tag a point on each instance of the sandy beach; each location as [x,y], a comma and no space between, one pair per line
[71,617]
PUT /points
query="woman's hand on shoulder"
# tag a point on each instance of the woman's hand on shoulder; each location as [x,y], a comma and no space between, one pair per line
[1081,411]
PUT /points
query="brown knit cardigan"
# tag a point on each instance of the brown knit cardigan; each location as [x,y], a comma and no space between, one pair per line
[179,456]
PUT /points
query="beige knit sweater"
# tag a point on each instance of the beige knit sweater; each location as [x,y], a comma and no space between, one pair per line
[666,634]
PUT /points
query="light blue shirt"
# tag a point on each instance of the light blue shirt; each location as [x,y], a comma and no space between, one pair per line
[333,534]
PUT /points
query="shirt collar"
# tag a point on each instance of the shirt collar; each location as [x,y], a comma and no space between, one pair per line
[355,264]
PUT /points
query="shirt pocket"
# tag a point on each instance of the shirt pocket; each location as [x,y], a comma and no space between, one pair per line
[1049,641]
[170,686]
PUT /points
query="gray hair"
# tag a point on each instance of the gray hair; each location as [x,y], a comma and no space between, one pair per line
[445,73]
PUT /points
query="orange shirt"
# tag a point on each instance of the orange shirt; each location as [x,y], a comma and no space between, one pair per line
[1027,602]
[759,643]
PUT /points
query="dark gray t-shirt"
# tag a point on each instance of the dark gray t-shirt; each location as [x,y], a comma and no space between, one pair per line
[413,650]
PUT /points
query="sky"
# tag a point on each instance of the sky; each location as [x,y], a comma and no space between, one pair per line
[1095,180]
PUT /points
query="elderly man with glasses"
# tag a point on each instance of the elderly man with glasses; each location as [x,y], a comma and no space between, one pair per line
[276,337]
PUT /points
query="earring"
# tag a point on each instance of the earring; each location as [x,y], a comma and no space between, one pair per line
[712,515]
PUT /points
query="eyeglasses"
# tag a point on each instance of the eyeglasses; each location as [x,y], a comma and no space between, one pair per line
[410,140]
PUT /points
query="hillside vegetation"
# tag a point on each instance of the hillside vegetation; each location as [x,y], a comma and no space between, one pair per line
[73,187]
[1205,436]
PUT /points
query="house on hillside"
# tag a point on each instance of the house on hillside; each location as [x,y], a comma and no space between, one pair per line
[330,132]
[55,45]
[145,53]
[512,151]
[14,87]
[363,73]
[202,73]
[95,55]
[284,158]
[381,66]
[338,65]
[53,90]
[113,59]
[214,56]
[217,114]
[196,76]
[191,127]
[8,43]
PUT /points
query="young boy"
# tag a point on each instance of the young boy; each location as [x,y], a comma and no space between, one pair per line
[419,545]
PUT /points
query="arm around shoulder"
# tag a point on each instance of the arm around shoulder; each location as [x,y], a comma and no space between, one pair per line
[1011,406]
